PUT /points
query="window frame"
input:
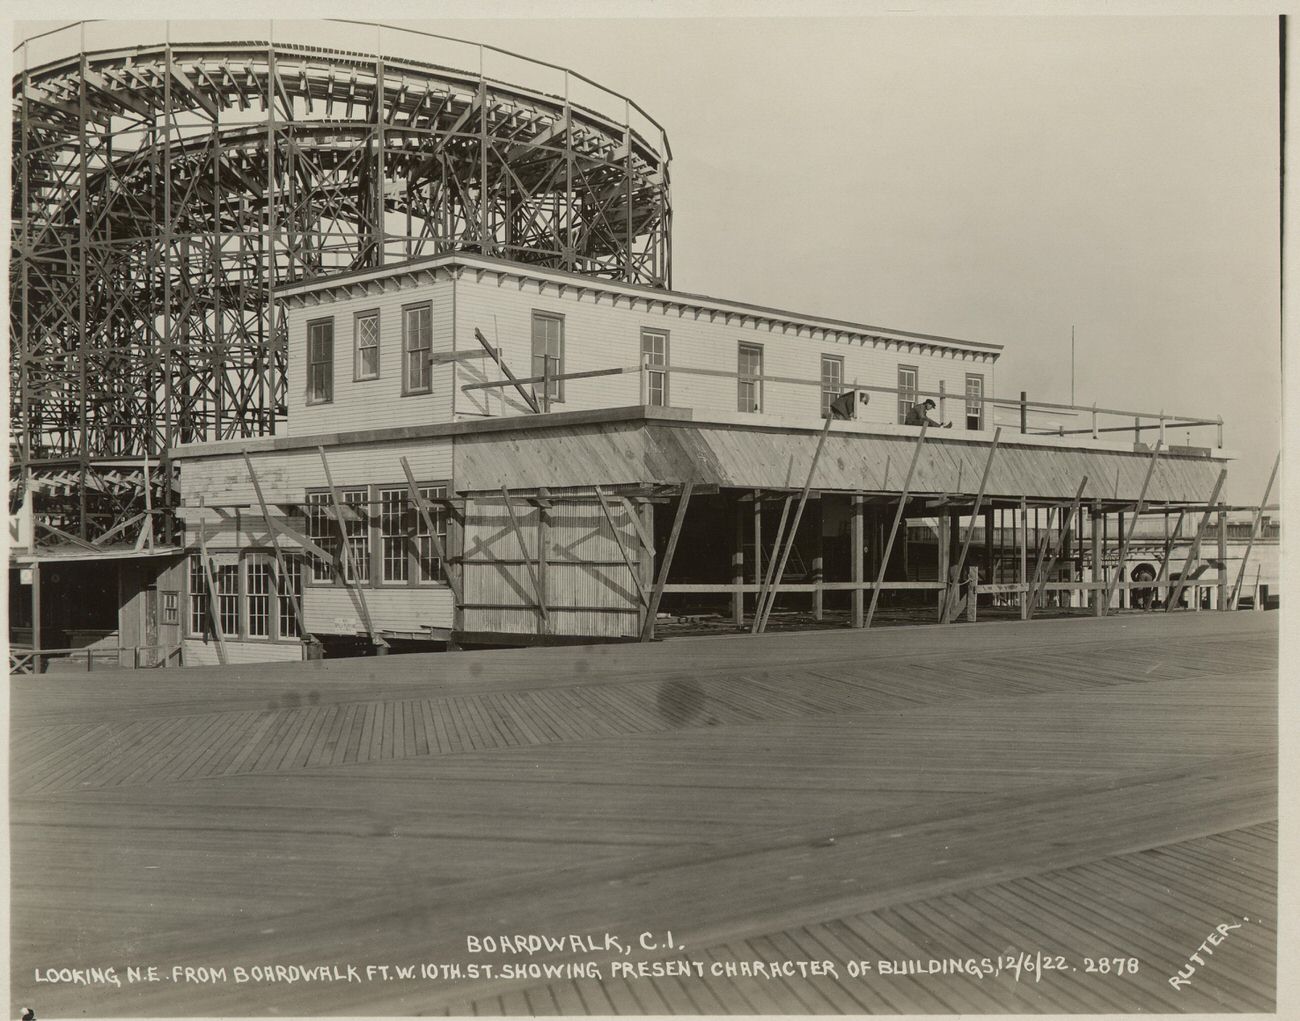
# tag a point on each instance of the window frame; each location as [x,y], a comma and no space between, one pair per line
[407,350]
[200,614]
[262,562]
[652,370]
[440,517]
[755,380]
[362,537]
[914,390]
[321,572]
[406,529]
[282,598]
[325,364]
[196,597]
[827,394]
[376,535]
[357,318]
[978,403]
[558,384]
[221,574]
[169,607]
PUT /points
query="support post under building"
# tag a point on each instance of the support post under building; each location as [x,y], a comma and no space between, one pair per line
[856,543]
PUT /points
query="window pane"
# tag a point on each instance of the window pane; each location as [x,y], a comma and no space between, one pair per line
[259,597]
[654,349]
[418,343]
[654,345]
[749,382]
[321,531]
[974,401]
[430,565]
[394,527]
[367,347]
[357,529]
[320,361]
[832,381]
[548,353]
[228,598]
[199,621]
[906,391]
[288,588]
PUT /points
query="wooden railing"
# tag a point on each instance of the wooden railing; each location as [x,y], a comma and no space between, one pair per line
[1143,425]
[36,661]
[1094,592]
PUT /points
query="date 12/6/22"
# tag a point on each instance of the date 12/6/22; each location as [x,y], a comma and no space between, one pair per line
[1017,964]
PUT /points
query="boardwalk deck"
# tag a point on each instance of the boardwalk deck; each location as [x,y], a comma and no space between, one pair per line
[1083,788]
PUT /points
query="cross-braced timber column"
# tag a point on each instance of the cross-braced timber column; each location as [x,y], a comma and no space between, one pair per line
[163,192]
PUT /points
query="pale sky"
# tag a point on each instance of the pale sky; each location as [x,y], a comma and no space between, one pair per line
[995,179]
[991,178]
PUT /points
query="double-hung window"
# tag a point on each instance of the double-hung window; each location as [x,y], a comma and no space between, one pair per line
[367,346]
[431,567]
[391,546]
[320,361]
[749,378]
[907,390]
[200,622]
[321,531]
[832,381]
[394,529]
[258,568]
[417,349]
[325,532]
[974,401]
[356,530]
[548,354]
[406,544]
[253,601]
[288,593]
[227,580]
[654,354]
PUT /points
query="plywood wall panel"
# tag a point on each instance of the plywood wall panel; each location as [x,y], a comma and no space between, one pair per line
[587,588]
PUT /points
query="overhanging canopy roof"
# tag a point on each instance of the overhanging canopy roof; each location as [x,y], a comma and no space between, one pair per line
[655,451]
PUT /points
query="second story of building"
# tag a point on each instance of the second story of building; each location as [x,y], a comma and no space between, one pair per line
[440,339]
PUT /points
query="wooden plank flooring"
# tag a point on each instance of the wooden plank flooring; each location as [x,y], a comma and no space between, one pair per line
[1079,915]
[896,795]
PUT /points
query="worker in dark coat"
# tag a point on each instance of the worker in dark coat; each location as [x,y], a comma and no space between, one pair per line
[919,414]
[844,407]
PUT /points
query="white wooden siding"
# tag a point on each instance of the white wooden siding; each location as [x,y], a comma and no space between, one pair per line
[286,474]
[363,404]
[201,653]
[601,332]
[334,610]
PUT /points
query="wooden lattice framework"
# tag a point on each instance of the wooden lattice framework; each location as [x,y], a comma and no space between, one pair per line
[162,192]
